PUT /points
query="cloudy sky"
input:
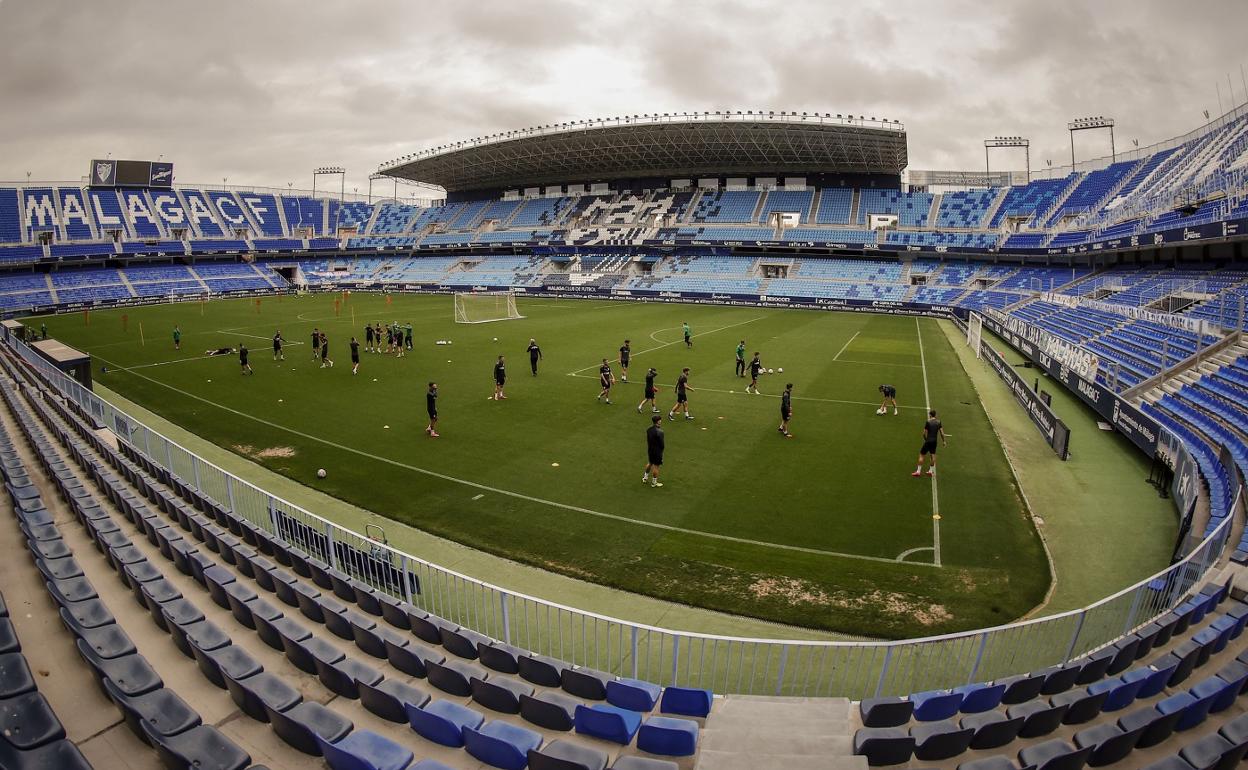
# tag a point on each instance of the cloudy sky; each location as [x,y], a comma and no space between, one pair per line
[261,91]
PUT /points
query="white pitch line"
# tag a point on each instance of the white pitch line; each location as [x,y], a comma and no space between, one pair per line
[701,389]
[846,345]
[673,342]
[920,549]
[935,495]
[530,498]
[285,341]
[161,363]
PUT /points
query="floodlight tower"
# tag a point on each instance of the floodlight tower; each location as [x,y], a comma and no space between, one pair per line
[337,171]
[1088,124]
[1005,142]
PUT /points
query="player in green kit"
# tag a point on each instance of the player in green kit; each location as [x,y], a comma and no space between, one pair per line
[688,334]
[741,358]
[177,338]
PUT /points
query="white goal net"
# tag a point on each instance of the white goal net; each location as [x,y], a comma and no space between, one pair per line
[482,306]
[974,332]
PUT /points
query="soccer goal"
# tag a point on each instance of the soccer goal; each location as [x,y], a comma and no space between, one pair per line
[478,307]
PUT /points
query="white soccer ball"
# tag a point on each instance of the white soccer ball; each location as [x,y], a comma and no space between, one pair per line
[320,473]
[771,371]
[881,410]
[781,370]
[496,339]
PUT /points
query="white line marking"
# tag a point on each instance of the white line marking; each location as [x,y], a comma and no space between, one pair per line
[845,346]
[478,497]
[701,389]
[163,363]
[656,331]
[935,496]
[875,363]
[673,342]
[529,498]
[920,549]
[285,341]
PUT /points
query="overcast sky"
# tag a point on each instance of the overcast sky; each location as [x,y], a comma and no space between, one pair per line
[261,91]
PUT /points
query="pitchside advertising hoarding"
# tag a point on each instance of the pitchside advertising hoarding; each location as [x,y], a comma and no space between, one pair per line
[1055,432]
[1138,427]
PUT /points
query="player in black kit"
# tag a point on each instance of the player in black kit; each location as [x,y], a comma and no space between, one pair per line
[355,356]
[932,430]
[786,410]
[654,452]
[431,405]
[535,355]
[500,379]
[626,353]
[651,392]
[606,379]
[890,397]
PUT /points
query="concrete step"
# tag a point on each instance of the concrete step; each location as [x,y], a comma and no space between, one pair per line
[765,741]
[709,759]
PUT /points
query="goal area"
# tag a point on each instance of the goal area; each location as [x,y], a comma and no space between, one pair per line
[476,307]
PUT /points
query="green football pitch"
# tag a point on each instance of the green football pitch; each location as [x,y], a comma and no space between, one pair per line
[825,530]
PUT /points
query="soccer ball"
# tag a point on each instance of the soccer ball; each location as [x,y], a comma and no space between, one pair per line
[881,410]
[781,370]
[320,473]
[496,339]
[771,371]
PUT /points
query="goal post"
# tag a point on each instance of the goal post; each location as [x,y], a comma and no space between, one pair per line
[974,332]
[476,307]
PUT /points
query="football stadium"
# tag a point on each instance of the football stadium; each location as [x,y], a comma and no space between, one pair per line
[697,440]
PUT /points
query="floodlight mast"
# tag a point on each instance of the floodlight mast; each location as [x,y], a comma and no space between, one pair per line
[999,142]
[337,171]
[1088,124]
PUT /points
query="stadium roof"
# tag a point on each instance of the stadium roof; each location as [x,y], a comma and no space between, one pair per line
[674,146]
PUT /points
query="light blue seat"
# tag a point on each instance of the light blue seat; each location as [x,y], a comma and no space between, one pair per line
[1192,710]
[1121,692]
[1153,681]
[668,736]
[935,705]
[686,701]
[443,722]
[364,750]
[503,745]
[429,764]
[633,694]
[977,698]
[607,722]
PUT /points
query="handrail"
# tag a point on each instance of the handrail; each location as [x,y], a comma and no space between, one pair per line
[780,666]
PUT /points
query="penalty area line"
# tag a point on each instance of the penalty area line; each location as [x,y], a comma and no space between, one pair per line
[701,389]
[529,498]
[846,345]
[674,342]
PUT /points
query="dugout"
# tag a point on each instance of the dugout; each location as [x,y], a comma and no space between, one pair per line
[13,330]
[73,362]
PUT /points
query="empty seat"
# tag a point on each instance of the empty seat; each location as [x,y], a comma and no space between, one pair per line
[585,683]
[232,660]
[341,676]
[15,676]
[552,710]
[1039,718]
[562,755]
[272,631]
[668,736]
[1110,743]
[890,711]
[443,722]
[452,676]
[1082,705]
[256,694]
[388,698]
[301,725]
[541,670]
[934,741]
[499,694]
[202,747]
[936,705]
[364,750]
[305,654]
[977,698]
[686,701]
[502,745]
[607,722]
[643,763]
[992,729]
[462,642]
[500,657]
[1054,755]
[1155,726]
[633,694]
[57,755]
[412,657]
[162,710]
[27,721]
[884,745]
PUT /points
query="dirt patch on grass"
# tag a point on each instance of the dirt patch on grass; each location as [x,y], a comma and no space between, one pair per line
[266,453]
[797,592]
[789,589]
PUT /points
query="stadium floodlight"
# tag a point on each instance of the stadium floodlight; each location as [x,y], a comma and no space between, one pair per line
[1087,124]
[337,171]
[1001,142]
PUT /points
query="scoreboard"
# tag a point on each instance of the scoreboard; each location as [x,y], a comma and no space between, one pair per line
[130,173]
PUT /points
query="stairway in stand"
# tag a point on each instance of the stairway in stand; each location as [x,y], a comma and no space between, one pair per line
[747,732]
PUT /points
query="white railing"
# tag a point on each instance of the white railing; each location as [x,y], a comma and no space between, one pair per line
[725,664]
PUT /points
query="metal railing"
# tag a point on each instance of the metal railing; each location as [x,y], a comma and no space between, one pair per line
[725,664]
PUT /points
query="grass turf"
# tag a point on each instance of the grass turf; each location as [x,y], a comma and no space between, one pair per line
[803,531]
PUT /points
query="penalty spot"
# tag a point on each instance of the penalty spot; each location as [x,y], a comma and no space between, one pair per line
[554,465]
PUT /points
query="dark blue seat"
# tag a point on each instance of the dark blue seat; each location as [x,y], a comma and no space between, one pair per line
[633,762]
[935,705]
[1192,710]
[585,683]
[342,675]
[888,711]
[57,755]
[272,631]
[364,750]
[1119,692]
[499,694]
[1155,725]
[411,656]
[935,741]
[501,745]
[633,694]
[443,722]
[992,729]
[541,670]
[977,698]
[500,657]
[231,660]
[668,736]
[1213,751]
[686,701]
[1056,754]
[203,635]
[305,654]
[1039,718]
[131,673]
[1109,742]
[15,676]
[1151,681]
[607,722]
[453,676]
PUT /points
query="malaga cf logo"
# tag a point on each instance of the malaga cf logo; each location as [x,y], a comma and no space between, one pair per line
[103,171]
